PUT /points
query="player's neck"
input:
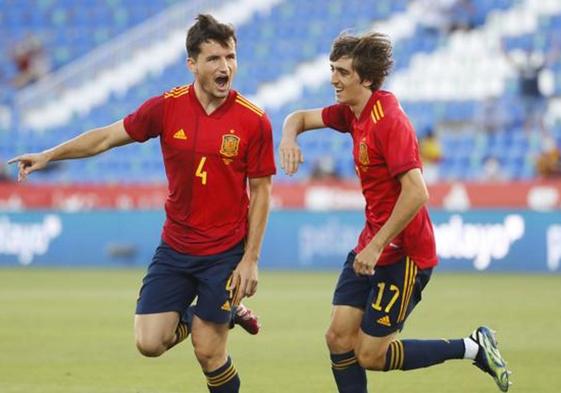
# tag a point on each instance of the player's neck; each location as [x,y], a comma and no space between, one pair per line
[209,102]
[357,106]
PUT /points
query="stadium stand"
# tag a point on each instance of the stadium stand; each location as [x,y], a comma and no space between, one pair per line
[449,79]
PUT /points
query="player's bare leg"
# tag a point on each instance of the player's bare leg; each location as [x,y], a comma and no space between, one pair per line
[343,328]
[155,333]
[209,342]
[371,351]
[341,338]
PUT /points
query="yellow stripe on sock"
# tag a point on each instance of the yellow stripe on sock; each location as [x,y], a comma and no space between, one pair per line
[225,380]
[344,363]
[392,355]
[223,377]
[399,345]
[219,376]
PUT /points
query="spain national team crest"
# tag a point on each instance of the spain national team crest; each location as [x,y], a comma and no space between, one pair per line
[363,153]
[230,146]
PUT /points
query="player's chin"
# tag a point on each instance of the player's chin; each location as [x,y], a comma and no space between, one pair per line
[340,98]
[221,93]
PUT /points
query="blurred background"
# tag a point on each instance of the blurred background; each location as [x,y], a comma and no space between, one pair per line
[480,80]
[481,83]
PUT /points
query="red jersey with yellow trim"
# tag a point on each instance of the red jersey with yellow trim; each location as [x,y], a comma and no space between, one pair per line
[385,146]
[208,159]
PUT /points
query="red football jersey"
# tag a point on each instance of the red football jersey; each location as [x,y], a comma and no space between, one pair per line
[208,159]
[385,146]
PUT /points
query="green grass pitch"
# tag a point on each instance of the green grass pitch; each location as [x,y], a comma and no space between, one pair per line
[70,331]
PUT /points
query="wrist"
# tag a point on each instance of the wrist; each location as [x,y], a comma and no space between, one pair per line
[288,138]
[251,258]
[376,244]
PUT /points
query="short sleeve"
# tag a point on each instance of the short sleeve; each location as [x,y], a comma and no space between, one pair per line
[147,121]
[337,117]
[261,159]
[399,144]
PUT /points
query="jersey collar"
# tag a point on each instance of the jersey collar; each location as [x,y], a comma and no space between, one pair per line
[218,112]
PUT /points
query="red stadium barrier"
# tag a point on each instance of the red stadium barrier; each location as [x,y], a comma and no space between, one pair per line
[537,195]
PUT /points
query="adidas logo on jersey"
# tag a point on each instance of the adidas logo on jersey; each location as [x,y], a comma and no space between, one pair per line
[180,134]
[226,306]
[385,320]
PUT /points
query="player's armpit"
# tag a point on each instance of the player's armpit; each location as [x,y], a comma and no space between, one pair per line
[116,135]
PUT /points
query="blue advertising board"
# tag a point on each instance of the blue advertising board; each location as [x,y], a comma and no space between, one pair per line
[491,240]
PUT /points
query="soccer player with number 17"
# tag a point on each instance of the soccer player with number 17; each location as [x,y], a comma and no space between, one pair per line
[384,276]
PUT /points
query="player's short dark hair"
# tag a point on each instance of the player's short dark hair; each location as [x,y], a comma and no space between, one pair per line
[371,54]
[208,28]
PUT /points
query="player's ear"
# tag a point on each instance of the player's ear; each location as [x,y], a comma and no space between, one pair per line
[191,64]
[366,83]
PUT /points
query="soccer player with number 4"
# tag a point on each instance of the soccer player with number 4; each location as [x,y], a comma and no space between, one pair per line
[384,276]
[214,143]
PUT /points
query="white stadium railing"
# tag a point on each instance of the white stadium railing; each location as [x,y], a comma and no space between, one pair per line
[123,62]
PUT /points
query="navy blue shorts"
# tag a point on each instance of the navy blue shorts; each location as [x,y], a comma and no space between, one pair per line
[387,297]
[174,280]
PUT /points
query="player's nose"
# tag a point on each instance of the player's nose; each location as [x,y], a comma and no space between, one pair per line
[223,65]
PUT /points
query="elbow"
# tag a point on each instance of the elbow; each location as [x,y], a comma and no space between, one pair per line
[291,118]
[296,119]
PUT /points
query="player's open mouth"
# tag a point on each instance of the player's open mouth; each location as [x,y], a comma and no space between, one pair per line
[222,81]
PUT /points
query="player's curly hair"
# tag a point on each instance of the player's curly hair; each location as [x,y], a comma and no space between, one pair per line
[207,28]
[371,54]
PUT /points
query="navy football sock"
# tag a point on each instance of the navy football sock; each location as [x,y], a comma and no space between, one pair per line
[412,354]
[349,376]
[223,380]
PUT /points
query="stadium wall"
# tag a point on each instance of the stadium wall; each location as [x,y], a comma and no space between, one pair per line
[490,240]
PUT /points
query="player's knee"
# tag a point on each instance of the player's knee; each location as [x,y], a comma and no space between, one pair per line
[209,358]
[150,347]
[373,360]
[338,341]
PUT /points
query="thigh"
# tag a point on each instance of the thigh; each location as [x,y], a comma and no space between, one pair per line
[343,329]
[213,296]
[345,320]
[395,291]
[352,289]
[155,328]
[166,286]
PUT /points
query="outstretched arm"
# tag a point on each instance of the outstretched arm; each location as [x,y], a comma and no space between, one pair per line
[88,144]
[297,122]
